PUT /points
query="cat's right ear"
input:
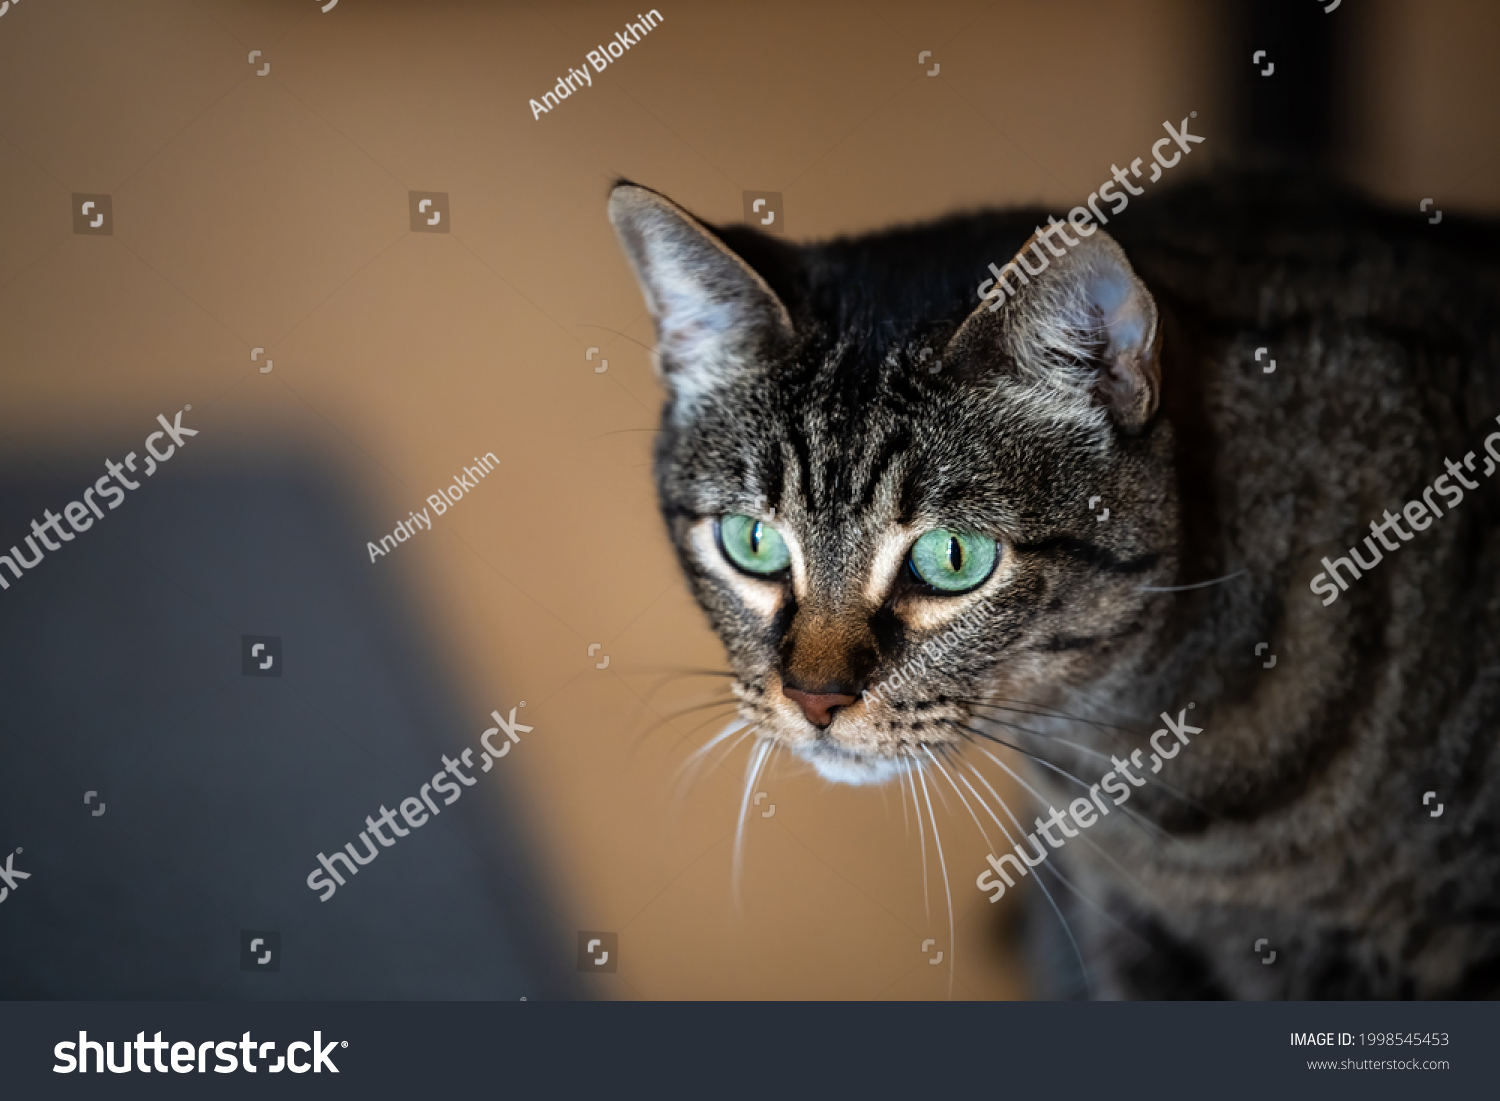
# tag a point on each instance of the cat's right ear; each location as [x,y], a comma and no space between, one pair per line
[713,312]
[1083,329]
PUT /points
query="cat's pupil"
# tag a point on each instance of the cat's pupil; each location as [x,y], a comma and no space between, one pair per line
[955,555]
[755,539]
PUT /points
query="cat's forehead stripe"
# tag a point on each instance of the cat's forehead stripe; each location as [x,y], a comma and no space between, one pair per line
[803,463]
[895,445]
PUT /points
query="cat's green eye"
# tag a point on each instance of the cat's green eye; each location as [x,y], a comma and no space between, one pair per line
[753,545]
[953,561]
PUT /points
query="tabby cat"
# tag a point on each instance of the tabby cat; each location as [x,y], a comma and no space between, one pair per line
[857,452]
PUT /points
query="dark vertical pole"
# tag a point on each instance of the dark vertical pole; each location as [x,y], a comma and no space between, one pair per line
[1292,115]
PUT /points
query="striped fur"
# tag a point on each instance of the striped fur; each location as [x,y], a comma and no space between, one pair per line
[801,389]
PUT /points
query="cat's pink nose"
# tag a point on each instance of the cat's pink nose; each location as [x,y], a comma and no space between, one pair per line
[817,706]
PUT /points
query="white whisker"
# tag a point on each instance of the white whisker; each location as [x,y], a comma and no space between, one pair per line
[1199,585]
[758,757]
[1009,840]
[921,838]
[937,842]
[965,802]
[684,776]
[1092,753]
[734,727]
[1056,909]
[905,818]
[1038,758]
[1101,703]
[1130,814]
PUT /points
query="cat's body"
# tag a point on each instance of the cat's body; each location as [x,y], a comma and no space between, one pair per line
[1387,348]
[851,394]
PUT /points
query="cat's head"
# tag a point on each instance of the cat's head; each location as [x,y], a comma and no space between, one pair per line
[891,528]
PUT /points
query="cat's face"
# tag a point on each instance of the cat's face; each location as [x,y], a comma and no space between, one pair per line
[887,547]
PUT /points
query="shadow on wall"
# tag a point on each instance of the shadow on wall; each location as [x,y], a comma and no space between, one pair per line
[217,779]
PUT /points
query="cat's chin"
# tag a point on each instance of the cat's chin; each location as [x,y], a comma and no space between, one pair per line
[839,766]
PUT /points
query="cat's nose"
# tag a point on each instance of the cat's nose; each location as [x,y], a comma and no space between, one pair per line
[818,706]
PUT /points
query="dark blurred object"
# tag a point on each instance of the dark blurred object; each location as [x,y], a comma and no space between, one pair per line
[1295,115]
[122,674]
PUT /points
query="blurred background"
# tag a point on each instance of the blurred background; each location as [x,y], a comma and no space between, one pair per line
[263,263]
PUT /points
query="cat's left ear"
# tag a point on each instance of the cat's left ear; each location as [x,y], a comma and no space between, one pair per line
[1085,321]
[713,312]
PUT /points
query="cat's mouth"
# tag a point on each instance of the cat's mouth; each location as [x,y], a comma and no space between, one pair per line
[841,765]
[851,747]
